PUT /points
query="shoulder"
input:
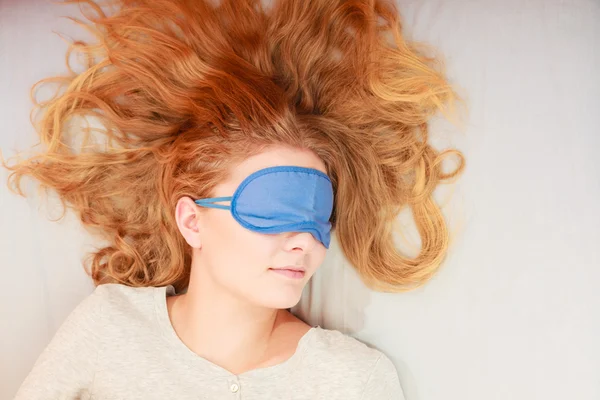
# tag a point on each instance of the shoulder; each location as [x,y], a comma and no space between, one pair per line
[130,304]
[373,373]
[343,349]
[106,302]
[116,293]
[67,366]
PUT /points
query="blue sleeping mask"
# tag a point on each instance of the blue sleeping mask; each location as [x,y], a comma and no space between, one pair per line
[282,199]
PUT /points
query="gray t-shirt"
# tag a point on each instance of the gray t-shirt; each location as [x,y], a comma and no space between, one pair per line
[119,343]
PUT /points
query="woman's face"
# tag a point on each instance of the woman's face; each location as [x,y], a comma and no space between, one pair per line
[242,261]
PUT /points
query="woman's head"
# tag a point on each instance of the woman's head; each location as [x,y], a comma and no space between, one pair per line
[244,262]
[192,94]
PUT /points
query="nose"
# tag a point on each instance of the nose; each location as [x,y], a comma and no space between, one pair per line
[304,241]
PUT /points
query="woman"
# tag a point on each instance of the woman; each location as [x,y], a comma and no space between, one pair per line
[234,140]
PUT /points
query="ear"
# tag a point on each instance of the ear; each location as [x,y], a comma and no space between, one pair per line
[187,217]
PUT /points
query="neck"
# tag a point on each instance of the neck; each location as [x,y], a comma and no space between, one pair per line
[222,328]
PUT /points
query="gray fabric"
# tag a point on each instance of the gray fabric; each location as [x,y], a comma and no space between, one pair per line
[119,343]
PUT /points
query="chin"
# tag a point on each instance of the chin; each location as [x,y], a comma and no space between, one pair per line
[274,293]
[282,300]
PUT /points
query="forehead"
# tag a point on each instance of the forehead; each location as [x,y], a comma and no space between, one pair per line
[273,157]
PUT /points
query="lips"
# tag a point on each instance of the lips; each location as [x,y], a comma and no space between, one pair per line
[291,271]
[293,268]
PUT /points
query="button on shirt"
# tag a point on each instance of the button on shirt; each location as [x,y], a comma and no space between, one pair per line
[119,343]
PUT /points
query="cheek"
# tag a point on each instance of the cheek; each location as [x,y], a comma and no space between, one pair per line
[318,257]
[236,251]
[257,250]
[321,254]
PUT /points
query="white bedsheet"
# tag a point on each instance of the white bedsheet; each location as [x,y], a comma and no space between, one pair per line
[514,312]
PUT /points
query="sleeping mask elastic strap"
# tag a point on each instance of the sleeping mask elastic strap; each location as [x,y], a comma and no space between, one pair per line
[282,199]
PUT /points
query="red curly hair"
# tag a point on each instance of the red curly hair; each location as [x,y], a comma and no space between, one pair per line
[184,90]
